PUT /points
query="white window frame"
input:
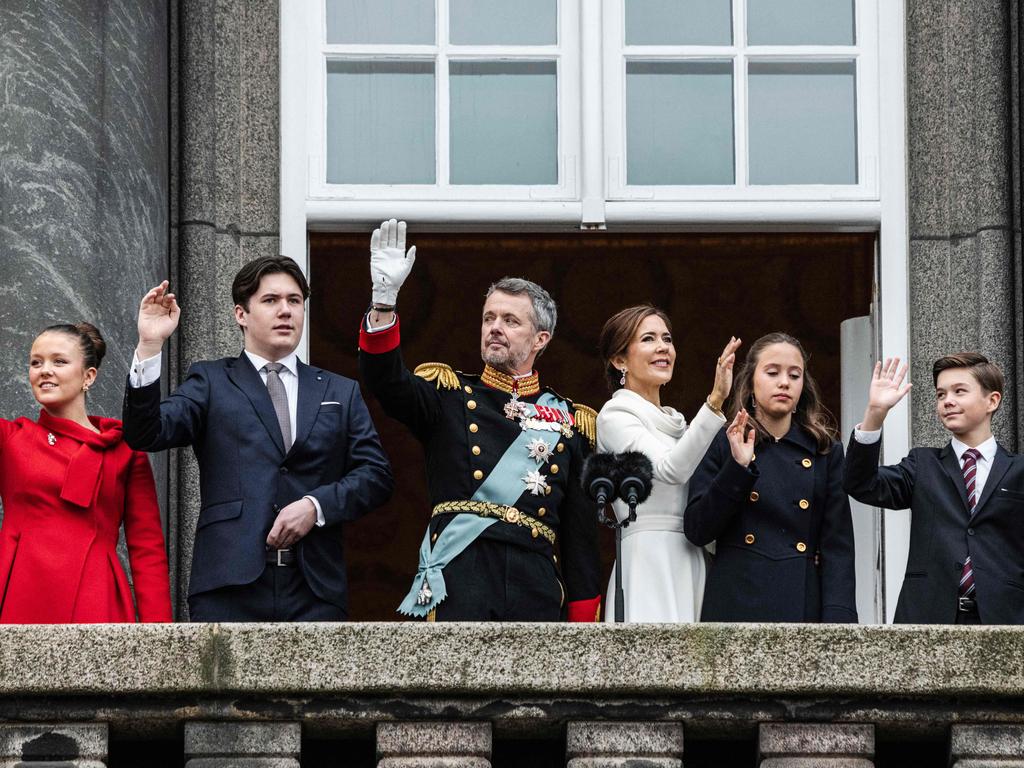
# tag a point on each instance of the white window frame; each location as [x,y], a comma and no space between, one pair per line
[864,54]
[565,55]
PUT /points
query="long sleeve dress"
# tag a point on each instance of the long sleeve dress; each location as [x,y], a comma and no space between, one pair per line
[66,491]
[662,572]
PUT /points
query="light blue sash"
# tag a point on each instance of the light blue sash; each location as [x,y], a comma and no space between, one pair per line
[504,485]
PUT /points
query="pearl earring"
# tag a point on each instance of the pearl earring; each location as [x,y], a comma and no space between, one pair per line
[622,380]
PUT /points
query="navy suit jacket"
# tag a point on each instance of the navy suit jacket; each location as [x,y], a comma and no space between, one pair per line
[942,532]
[223,410]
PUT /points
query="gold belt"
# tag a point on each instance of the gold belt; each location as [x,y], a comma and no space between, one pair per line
[510,515]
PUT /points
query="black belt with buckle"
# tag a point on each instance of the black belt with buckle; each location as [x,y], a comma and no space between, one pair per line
[967,605]
[281,557]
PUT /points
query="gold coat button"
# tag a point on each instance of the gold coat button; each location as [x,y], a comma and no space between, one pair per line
[560,447]
[807,463]
[471,404]
[754,496]
[478,475]
[534,532]
[554,469]
[476,450]
[804,504]
[801,547]
[749,538]
[434,537]
[469,389]
[547,491]
[473,427]
[541,512]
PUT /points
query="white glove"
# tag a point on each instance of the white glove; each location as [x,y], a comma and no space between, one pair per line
[389,263]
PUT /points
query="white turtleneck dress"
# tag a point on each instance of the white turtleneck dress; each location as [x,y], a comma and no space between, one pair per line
[662,573]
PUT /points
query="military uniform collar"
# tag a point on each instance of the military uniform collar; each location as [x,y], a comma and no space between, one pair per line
[523,386]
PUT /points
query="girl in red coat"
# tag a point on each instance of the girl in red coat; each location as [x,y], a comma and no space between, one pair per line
[68,481]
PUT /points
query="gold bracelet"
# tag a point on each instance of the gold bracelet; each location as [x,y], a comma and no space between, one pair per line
[716,411]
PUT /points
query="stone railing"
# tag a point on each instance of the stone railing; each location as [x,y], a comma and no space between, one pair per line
[444,694]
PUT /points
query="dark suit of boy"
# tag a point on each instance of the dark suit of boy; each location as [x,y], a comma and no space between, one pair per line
[224,411]
[930,482]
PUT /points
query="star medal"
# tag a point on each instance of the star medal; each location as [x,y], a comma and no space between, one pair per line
[539,450]
[536,483]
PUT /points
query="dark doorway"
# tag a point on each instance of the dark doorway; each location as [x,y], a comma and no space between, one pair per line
[711,285]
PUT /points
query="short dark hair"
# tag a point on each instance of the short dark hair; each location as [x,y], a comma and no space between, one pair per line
[247,281]
[986,373]
[617,334]
[90,340]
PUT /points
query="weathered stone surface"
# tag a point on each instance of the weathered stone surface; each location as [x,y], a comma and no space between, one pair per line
[242,762]
[988,763]
[54,764]
[986,741]
[53,741]
[624,739]
[434,762]
[819,761]
[625,762]
[800,739]
[434,739]
[243,739]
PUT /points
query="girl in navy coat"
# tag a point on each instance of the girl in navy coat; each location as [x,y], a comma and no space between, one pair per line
[769,494]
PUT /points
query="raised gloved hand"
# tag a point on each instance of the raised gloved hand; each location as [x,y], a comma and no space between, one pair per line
[389,262]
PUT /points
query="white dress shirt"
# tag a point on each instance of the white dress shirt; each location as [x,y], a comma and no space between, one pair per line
[987,450]
[145,372]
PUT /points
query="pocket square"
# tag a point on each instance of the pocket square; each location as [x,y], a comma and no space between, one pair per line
[330,402]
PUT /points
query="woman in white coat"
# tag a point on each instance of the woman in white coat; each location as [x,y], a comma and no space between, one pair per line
[662,573]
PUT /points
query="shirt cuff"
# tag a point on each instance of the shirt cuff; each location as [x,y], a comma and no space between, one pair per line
[145,372]
[321,521]
[379,328]
[866,436]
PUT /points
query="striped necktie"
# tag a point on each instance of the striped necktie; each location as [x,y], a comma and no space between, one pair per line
[970,458]
[279,397]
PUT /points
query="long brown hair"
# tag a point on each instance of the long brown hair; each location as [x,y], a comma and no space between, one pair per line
[811,414]
[617,335]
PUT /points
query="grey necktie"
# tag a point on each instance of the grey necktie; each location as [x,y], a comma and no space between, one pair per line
[279,397]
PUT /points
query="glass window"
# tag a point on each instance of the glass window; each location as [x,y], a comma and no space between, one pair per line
[504,22]
[380,122]
[679,117]
[800,22]
[504,127]
[678,22]
[803,123]
[408,22]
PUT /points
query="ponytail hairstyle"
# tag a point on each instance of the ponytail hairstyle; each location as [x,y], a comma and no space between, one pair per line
[90,340]
[811,414]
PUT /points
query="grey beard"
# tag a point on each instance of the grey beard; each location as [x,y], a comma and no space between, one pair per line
[504,361]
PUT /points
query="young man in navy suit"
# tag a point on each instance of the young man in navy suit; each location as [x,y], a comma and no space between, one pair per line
[966,500]
[286,452]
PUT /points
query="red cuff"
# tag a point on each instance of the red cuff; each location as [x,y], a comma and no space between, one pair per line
[381,342]
[585,610]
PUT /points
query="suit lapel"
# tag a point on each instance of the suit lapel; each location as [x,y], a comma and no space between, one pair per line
[951,465]
[1000,464]
[247,379]
[312,385]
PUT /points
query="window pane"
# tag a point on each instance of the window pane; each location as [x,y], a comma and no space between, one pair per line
[800,22]
[504,22]
[504,122]
[380,122]
[678,22]
[803,123]
[679,122]
[409,22]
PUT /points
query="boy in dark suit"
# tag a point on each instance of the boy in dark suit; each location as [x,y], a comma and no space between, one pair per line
[966,500]
[286,452]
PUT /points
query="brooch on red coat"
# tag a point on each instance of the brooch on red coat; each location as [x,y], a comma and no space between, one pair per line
[51,439]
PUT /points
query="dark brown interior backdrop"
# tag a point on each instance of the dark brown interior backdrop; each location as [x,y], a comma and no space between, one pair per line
[710,285]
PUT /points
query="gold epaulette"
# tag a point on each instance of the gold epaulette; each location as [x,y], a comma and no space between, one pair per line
[440,373]
[586,423]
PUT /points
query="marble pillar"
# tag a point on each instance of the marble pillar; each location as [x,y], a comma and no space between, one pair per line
[242,745]
[434,745]
[54,744]
[624,745]
[986,746]
[83,180]
[965,264]
[816,745]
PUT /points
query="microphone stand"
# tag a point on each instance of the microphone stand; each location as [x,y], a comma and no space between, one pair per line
[612,522]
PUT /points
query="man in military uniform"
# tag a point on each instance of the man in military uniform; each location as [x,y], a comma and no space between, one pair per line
[504,457]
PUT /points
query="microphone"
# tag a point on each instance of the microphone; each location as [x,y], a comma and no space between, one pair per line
[635,473]
[598,479]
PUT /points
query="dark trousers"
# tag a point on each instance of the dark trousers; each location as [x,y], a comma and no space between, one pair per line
[279,594]
[494,581]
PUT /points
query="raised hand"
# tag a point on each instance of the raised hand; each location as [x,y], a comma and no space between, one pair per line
[723,372]
[158,318]
[886,389]
[741,440]
[390,264]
